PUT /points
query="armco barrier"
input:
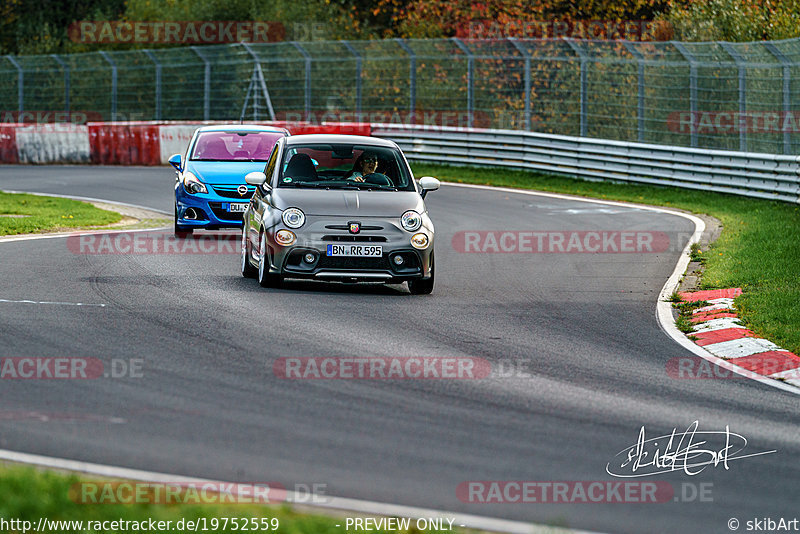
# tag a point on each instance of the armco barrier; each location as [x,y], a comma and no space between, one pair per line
[755,175]
[8,144]
[121,143]
[46,143]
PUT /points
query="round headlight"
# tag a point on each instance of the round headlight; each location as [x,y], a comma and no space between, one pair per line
[294,218]
[192,184]
[411,220]
[419,241]
[284,237]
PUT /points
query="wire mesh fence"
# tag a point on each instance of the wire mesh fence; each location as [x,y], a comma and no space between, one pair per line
[730,96]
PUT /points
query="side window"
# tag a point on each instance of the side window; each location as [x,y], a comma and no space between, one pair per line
[269,170]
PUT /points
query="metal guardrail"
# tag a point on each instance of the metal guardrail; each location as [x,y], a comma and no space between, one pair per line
[756,175]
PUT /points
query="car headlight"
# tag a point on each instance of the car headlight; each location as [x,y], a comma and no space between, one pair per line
[419,241]
[411,220]
[284,237]
[294,218]
[192,184]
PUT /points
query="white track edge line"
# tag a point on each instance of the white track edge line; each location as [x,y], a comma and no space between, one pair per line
[317,501]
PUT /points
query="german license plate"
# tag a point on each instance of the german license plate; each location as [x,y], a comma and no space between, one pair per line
[355,250]
[237,207]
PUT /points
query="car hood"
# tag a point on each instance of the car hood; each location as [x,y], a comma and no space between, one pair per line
[338,202]
[223,172]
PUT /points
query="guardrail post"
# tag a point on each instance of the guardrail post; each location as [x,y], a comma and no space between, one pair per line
[358,77]
[206,84]
[740,64]
[640,91]
[584,86]
[158,82]
[692,88]
[20,84]
[307,90]
[787,95]
[527,57]
[412,79]
[65,68]
[113,84]
[470,79]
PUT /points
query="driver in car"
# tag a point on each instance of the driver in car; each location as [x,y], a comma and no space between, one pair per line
[367,163]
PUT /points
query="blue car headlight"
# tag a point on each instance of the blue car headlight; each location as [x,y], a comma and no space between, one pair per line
[192,184]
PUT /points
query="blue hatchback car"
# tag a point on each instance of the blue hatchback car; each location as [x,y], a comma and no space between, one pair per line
[210,190]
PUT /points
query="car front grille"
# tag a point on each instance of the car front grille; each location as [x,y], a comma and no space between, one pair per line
[355,238]
[353,263]
[230,191]
[225,215]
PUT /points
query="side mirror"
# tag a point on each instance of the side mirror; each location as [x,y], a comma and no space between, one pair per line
[256,178]
[175,161]
[428,183]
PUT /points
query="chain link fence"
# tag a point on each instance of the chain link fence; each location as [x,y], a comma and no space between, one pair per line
[728,96]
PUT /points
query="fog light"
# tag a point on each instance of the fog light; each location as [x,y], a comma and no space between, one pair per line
[419,241]
[284,237]
[308,258]
[398,260]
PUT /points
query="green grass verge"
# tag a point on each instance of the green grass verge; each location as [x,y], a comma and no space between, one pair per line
[48,214]
[759,249]
[29,494]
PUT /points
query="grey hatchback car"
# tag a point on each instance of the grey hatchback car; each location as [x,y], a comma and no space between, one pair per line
[338,208]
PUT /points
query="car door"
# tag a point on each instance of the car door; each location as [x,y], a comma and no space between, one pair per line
[260,202]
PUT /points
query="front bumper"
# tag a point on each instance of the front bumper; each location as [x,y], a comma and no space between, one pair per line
[211,209]
[319,232]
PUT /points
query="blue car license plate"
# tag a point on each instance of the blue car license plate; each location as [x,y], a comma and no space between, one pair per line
[237,207]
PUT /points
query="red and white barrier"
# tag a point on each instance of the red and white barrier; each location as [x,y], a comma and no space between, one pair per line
[122,143]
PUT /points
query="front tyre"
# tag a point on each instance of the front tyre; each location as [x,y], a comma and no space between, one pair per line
[265,279]
[422,286]
[248,271]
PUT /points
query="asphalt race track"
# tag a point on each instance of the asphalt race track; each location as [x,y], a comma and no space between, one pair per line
[582,326]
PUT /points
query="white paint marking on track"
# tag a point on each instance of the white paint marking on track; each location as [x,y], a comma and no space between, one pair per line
[713,307]
[304,499]
[739,348]
[51,302]
[718,324]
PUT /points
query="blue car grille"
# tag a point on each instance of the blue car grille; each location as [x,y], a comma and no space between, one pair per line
[230,191]
[224,215]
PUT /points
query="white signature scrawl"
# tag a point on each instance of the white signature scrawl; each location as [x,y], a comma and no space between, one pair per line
[690,451]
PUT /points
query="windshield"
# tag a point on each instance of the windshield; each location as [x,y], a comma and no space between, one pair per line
[234,146]
[345,166]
